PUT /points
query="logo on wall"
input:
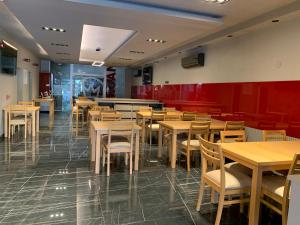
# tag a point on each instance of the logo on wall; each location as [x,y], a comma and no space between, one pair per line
[93,86]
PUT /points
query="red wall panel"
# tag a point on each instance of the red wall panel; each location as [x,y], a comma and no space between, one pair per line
[263,105]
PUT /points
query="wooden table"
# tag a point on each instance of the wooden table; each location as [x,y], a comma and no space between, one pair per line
[260,157]
[146,115]
[50,101]
[82,104]
[176,127]
[98,128]
[33,110]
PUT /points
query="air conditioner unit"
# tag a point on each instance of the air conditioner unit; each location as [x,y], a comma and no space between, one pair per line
[193,60]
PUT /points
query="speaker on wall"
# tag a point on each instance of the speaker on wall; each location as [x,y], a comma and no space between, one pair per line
[147,75]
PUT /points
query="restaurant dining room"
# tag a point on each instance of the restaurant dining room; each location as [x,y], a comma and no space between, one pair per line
[149,112]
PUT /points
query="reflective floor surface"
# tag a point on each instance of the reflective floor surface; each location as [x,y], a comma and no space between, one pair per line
[49,180]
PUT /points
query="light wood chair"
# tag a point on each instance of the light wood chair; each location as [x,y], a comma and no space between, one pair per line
[95,108]
[277,188]
[110,116]
[116,145]
[231,185]
[203,117]
[189,116]
[18,116]
[153,126]
[145,109]
[106,109]
[197,129]
[169,109]
[80,115]
[274,135]
[172,117]
[83,98]
[235,125]
[25,103]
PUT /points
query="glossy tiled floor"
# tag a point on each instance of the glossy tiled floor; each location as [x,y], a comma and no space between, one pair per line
[48,180]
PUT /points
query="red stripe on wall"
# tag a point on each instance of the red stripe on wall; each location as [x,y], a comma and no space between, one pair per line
[263,105]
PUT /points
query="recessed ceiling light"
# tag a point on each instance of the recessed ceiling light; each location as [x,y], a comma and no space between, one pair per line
[218,1]
[275,21]
[54,29]
[98,63]
[156,40]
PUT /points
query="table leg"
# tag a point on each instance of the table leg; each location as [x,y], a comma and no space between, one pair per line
[159,150]
[98,153]
[33,123]
[5,124]
[255,196]
[143,130]
[77,115]
[174,151]
[137,151]
[37,121]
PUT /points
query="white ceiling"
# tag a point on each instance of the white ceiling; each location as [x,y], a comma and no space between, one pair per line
[179,31]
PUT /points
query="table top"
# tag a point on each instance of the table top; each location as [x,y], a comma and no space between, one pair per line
[97,113]
[147,114]
[263,153]
[43,99]
[185,125]
[85,102]
[105,125]
[25,107]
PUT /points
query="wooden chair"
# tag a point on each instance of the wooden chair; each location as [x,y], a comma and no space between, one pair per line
[17,116]
[172,117]
[197,129]
[83,98]
[80,114]
[277,188]
[274,135]
[189,116]
[106,109]
[153,126]
[145,109]
[95,108]
[25,103]
[169,109]
[235,125]
[227,183]
[203,117]
[118,145]
[110,116]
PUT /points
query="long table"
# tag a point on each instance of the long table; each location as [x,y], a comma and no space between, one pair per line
[260,157]
[33,110]
[176,127]
[144,116]
[98,129]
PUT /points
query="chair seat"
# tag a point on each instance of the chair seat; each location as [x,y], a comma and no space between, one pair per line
[114,139]
[117,146]
[238,168]
[155,126]
[274,184]
[233,180]
[194,143]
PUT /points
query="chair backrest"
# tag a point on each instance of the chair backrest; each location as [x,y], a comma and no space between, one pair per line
[233,136]
[95,108]
[189,116]
[199,129]
[145,109]
[234,125]
[274,135]
[25,103]
[17,110]
[82,98]
[106,109]
[172,117]
[157,116]
[110,116]
[211,154]
[203,117]
[169,109]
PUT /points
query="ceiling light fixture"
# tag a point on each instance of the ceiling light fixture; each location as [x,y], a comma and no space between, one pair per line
[54,29]
[10,45]
[98,63]
[218,1]
[156,40]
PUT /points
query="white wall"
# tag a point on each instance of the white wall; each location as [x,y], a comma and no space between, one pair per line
[268,54]
[8,84]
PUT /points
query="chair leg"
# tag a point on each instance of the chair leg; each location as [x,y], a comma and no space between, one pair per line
[188,160]
[220,208]
[242,203]
[284,215]
[130,162]
[108,164]
[200,195]
[103,158]
[126,159]
[9,131]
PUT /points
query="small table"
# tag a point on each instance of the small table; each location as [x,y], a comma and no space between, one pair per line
[146,115]
[177,127]
[50,101]
[260,157]
[33,110]
[99,128]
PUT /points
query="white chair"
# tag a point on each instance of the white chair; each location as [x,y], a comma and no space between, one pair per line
[228,183]
[114,144]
